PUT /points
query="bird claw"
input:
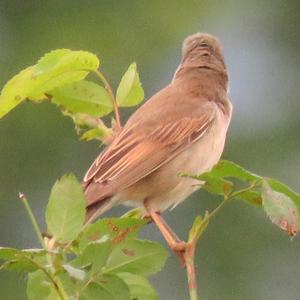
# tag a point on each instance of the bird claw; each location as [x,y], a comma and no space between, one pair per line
[179,249]
[179,246]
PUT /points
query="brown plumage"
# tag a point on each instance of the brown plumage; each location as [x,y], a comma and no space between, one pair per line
[182,128]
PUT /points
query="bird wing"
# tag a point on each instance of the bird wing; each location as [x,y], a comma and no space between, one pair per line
[134,154]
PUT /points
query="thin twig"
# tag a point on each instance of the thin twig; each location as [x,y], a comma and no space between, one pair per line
[246,189]
[209,216]
[56,282]
[112,97]
[32,219]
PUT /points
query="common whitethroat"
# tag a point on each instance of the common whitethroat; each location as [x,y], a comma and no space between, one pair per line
[182,128]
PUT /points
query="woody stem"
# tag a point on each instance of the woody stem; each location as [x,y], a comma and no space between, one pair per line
[189,256]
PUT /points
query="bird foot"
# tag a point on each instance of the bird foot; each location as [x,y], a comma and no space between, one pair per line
[179,249]
[178,246]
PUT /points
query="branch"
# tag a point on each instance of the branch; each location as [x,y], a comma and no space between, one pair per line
[55,282]
[189,255]
[195,234]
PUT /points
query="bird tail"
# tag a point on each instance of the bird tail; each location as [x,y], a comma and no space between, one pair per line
[99,199]
[99,208]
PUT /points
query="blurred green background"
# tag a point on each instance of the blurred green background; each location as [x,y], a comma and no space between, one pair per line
[242,255]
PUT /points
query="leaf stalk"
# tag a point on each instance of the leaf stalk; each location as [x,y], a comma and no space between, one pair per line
[107,86]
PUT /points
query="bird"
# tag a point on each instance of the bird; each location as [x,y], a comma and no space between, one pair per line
[180,129]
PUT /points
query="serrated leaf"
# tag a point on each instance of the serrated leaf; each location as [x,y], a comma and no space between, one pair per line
[39,287]
[216,181]
[48,61]
[281,209]
[108,287]
[16,90]
[94,255]
[228,169]
[64,60]
[130,91]
[115,229]
[136,256]
[54,69]
[65,211]
[139,287]
[83,97]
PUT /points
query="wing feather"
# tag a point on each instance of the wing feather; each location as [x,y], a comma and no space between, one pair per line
[135,154]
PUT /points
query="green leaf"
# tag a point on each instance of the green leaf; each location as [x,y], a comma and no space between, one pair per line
[74,272]
[134,213]
[19,265]
[250,196]
[54,69]
[281,209]
[216,182]
[139,287]
[107,287]
[85,120]
[95,254]
[216,185]
[282,188]
[8,253]
[130,91]
[136,256]
[70,285]
[96,129]
[65,211]
[196,228]
[20,260]
[39,287]
[115,229]
[16,90]
[83,97]
[11,253]
[225,169]
[66,60]
[47,62]
[95,133]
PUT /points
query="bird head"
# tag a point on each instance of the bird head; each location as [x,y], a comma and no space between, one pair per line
[202,50]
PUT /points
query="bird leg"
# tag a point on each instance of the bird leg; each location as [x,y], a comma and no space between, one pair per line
[177,246]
